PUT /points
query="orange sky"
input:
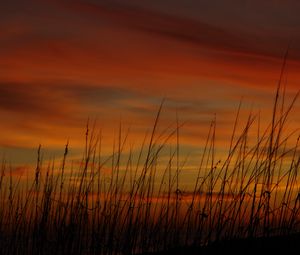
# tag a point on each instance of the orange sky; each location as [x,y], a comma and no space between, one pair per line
[63,62]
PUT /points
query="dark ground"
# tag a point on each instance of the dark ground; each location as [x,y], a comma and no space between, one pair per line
[272,245]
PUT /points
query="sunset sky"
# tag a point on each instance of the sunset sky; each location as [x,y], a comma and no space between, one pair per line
[63,62]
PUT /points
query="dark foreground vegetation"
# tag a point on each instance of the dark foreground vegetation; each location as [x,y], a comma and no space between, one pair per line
[132,202]
[287,244]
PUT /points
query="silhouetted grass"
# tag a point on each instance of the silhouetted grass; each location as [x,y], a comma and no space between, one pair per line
[139,207]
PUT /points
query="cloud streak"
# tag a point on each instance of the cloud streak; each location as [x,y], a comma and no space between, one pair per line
[64,61]
[178,28]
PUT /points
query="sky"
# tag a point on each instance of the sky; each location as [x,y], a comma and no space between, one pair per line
[64,62]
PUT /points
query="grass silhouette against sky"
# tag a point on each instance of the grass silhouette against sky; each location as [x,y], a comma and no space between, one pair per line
[87,166]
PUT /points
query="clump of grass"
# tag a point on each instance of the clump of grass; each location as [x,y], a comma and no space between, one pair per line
[139,206]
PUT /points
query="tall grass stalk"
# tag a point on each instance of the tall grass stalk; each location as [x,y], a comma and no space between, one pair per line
[133,201]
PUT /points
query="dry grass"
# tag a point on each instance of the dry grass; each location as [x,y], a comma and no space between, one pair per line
[254,192]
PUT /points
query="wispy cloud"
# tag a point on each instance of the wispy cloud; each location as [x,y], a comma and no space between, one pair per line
[183,29]
[64,61]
